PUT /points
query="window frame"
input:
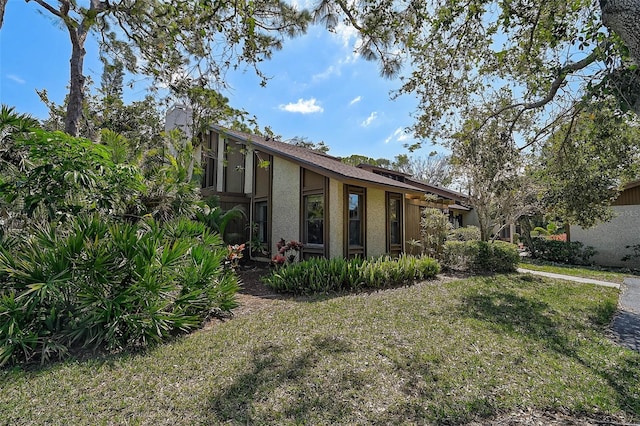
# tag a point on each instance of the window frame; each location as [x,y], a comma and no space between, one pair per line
[393,247]
[355,250]
[307,189]
[210,161]
[257,200]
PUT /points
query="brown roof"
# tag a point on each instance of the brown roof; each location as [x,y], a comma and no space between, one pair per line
[323,164]
[438,190]
[426,187]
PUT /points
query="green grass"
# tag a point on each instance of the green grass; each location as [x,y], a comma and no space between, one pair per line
[432,353]
[578,271]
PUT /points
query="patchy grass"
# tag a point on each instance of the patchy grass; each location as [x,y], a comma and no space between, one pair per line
[595,273]
[432,353]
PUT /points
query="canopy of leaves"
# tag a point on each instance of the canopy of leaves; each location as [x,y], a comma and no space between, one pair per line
[542,59]
[585,163]
[494,172]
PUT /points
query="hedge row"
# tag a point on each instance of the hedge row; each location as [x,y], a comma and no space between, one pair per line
[330,275]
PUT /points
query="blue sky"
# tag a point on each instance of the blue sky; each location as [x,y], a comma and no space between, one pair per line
[319,89]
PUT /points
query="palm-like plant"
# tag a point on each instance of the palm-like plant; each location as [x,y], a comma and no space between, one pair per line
[216,218]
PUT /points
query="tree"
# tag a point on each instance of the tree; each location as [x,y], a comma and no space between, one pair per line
[170,40]
[586,161]
[499,187]
[433,169]
[545,59]
[304,142]
[139,122]
[355,160]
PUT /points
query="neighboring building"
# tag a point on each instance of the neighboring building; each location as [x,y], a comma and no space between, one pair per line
[334,209]
[611,238]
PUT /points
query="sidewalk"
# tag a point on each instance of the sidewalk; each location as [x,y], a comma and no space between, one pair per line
[626,322]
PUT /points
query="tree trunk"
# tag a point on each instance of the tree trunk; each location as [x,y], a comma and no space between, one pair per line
[76,82]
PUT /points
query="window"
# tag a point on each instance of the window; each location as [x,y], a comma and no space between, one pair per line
[355,221]
[314,214]
[262,222]
[314,219]
[234,168]
[394,223]
[261,202]
[210,160]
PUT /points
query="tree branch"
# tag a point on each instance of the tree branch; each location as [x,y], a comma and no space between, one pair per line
[49,8]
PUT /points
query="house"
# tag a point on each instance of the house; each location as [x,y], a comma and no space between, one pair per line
[611,238]
[450,202]
[293,193]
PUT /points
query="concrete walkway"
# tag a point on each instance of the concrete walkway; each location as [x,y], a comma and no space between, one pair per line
[569,278]
[625,326]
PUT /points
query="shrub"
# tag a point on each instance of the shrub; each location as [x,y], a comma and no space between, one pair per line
[288,252]
[480,256]
[434,227]
[327,275]
[54,176]
[467,233]
[560,251]
[87,283]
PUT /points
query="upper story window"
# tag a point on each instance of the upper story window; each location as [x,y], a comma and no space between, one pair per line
[210,160]
[234,167]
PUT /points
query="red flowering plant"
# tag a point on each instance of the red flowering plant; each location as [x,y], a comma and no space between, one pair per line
[287,252]
[234,254]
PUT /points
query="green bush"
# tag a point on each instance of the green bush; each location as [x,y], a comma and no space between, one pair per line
[54,176]
[467,233]
[87,283]
[480,256]
[573,252]
[328,275]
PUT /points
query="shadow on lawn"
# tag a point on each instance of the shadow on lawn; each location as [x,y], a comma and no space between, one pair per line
[278,388]
[532,319]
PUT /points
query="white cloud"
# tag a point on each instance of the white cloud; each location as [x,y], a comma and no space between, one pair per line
[332,70]
[303,107]
[369,119]
[345,33]
[16,78]
[355,100]
[399,135]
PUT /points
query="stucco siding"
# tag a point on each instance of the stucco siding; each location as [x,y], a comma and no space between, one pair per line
[248,173]
[610,238]
[470,219]
[376,222]
[285,216]
[336,218]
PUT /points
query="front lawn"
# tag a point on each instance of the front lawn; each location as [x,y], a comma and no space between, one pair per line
[594,273]
[441,352]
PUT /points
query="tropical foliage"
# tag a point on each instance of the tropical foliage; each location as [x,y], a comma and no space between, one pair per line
[98,249]
[320,275]
[89,284]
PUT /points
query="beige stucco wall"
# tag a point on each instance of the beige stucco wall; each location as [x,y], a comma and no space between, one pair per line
[336,218]
[610,238]
[285,210]
[376,222]
[248,172]
[470,218]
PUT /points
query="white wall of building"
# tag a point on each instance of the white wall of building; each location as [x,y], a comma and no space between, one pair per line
[285,210]
[376,222]
[610,238]
[336,218]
